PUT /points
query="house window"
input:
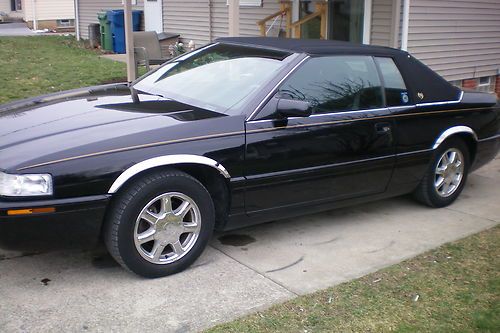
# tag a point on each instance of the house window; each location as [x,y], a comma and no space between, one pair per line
[457,83]
[484,84]
[248,3]
[65,23]
[19,5]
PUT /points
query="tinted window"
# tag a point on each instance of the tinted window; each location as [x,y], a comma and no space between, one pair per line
[337,83]
[396,93]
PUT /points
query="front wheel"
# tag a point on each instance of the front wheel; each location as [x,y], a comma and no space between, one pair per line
[445,178]
[160,224]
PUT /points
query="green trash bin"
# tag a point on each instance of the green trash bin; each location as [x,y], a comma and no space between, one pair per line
[105,28]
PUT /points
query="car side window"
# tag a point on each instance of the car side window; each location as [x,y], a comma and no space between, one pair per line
[335,84]
[396,93]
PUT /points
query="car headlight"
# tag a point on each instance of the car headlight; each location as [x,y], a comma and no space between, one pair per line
[25,185]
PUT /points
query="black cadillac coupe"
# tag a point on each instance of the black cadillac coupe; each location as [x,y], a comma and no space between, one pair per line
[242,131]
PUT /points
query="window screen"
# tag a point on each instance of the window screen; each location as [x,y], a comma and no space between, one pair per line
[396,93]
[337,83]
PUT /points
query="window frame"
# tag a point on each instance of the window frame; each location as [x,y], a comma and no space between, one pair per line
[411,101]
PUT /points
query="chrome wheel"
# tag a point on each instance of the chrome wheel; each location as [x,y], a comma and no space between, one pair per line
[449,172]
[167,228]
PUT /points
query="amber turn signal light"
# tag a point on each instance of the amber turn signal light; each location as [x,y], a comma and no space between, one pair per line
[31,211]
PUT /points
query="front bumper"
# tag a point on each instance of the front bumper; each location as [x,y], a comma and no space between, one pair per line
[74,222]
[94,205]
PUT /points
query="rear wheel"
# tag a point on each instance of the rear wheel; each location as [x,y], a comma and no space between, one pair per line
[160,224]
[446,175]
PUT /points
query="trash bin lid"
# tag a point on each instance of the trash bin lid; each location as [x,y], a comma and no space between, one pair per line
[102,15]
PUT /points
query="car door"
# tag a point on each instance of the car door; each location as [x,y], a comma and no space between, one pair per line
[343,150]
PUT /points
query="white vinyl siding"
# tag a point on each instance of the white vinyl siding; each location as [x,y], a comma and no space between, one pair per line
[381,22]
[49,10]
[459,39]
[5,6]
[220,24]
[88,10]
[250,15]
[189,18]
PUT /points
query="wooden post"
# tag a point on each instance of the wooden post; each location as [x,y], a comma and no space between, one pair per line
[234,18]
[129,41]
[321,8]
[288,9]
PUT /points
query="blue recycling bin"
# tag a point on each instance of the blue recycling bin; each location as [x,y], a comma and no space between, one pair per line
[116,18]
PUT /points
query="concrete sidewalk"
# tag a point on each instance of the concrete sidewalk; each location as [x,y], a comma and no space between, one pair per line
[240,272]
[15,29]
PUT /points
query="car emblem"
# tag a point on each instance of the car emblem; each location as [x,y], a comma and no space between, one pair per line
[420,95]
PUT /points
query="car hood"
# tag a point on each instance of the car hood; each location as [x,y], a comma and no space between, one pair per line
[81,121]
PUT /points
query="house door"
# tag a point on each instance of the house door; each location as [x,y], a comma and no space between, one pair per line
[153,15]
[346,20]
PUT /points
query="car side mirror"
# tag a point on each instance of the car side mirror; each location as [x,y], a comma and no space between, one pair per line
[294,108]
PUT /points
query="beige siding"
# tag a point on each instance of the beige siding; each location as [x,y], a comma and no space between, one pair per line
[458,38]
[381,22]
[189,18]
[88,9]
[220,26]
[5,6]
[49,10]
[250,15]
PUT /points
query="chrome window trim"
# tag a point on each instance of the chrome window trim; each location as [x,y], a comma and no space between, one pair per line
[323,114]
[275,88]
[162,161]
[443,103]
[451,131]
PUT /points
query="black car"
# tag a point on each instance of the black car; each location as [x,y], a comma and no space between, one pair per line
[242,131]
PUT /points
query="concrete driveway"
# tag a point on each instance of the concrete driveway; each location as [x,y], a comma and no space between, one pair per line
[241,272]
[15,29]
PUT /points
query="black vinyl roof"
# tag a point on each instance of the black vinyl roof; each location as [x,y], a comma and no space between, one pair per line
[310,46]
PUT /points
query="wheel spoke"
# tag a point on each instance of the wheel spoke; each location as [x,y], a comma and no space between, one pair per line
[149,217]
[440,170]
[183,209]
[189,227]
[177,248]
[439,182]
[444,160]
[157,250]
[166,205]
[446,187]
[453,157]
[146,236]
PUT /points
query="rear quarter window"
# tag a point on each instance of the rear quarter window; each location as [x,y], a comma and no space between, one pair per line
[396,93]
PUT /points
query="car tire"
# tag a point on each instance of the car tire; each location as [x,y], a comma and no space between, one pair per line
[444,180]
[159,224]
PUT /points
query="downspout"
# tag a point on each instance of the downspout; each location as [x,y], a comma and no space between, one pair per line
[367,22]
[33,13]
[406,22]
[77,20]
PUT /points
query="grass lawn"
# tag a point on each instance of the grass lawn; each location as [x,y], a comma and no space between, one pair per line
[455,288]
[38,65]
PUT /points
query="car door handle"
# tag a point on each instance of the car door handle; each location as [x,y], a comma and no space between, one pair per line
[382,128]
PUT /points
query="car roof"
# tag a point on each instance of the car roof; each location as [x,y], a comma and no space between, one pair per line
[311,46]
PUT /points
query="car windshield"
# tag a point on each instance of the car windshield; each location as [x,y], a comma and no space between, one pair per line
[219,77]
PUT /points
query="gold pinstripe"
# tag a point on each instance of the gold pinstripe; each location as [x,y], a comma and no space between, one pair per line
[219,135]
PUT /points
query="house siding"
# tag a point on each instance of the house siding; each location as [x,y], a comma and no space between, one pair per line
[220,22]
[250,15]
[459,39]
[5,6]
[189,18]
[381,28]
[88,9]
[49,10]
